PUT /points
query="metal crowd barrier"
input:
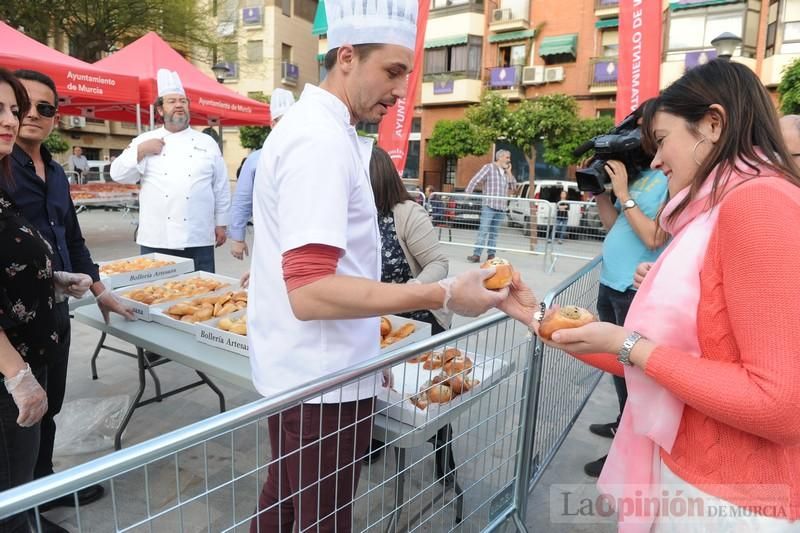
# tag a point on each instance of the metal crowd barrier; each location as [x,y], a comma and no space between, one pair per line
[527,226]
[563,383]
[466,465]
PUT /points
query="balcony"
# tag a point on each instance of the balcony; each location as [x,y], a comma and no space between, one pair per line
[451,88]
[444,8]
[507,19]
[506,81]
[603,75]
[606,8]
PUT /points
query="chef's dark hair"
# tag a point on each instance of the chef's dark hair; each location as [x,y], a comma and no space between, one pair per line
[362,51]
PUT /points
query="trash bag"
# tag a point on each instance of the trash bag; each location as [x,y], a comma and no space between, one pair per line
[88,425]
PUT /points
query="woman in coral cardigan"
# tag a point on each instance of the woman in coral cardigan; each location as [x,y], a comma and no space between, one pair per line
[710,349]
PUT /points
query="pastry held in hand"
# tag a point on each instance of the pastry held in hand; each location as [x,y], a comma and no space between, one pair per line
[567,317]
[502,273]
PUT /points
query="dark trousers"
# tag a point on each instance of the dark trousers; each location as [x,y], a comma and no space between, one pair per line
[612,306]
[56,388]
[203,256]
[314,487]
[18,450]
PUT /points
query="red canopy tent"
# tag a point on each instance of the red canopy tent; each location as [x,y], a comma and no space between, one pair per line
[212,102]
[83,89]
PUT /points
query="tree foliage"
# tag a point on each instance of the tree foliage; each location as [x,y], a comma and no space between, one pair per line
[789,89]
[253,137]
[558,149]
[458,138]
[95,27]
[56,144]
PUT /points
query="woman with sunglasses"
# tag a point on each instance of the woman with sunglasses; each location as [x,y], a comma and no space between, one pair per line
[28,292]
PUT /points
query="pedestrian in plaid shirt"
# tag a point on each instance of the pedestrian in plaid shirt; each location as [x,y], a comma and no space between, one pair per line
[498,181]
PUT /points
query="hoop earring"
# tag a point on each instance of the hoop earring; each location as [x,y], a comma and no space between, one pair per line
[694,150]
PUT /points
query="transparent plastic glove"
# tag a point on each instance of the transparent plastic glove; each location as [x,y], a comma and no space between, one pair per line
[465,294]
[108,302]
[70,284]
[28,395]
[244,281]
[239,249]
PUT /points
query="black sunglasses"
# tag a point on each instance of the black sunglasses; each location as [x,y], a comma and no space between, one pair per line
[46,110]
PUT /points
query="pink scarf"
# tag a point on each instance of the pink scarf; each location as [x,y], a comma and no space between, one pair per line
[664,311]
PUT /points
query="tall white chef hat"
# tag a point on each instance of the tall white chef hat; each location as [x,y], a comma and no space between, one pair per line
[280,102]
[169,83]
[371,22]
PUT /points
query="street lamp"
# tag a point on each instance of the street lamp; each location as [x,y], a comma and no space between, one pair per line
[220,70]
[725,44]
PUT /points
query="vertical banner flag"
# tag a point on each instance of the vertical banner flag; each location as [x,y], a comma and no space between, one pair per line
[639,64]
[395,127]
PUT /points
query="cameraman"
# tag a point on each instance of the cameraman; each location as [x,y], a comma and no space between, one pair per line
[633,237]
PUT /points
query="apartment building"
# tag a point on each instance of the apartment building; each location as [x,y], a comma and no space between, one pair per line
[271,45]
[528,48]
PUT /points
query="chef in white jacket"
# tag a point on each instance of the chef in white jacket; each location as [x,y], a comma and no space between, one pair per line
[184,201]
[315,295]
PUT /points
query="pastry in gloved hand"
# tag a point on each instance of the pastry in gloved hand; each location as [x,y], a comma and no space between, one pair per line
[502,273]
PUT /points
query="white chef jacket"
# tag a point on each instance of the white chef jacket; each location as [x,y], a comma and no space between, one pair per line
[185,190]
[312,187]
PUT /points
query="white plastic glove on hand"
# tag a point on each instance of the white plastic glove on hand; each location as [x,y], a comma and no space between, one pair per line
[108,302]
[465,294]
[28,395]
[70,284]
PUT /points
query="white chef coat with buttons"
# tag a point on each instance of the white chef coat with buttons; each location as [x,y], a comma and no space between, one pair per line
[311,187]
[185,191]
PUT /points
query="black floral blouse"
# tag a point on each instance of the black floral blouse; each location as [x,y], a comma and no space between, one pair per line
[26,286]
[394,266]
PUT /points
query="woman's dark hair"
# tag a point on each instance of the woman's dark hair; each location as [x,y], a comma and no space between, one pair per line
[24,105]
[387,186]
[750,130]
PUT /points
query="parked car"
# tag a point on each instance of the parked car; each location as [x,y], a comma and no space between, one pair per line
[581,220]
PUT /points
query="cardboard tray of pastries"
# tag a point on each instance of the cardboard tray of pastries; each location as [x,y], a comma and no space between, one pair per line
[228,333]
[145,298]
[186,313]
[427,386]
[143,269]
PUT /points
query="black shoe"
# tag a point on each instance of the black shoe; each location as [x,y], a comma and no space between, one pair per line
[376,449]
[474,258]
[90,494]
[594,468]
[605,430]
[490,257]
[49,526]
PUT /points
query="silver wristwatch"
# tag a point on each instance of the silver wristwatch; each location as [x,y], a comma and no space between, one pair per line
[630,203]
[624,354]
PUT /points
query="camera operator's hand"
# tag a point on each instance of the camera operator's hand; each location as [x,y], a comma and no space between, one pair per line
[619,179]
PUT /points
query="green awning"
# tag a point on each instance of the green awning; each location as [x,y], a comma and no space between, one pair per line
[512,36]
[320,26]
[447,41]
[606,23]
[559,44]
[677,5]
[320,58]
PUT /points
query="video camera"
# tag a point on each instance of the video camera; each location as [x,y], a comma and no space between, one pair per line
[623,143]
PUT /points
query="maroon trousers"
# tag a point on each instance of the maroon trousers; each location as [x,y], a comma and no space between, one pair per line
[317,451]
